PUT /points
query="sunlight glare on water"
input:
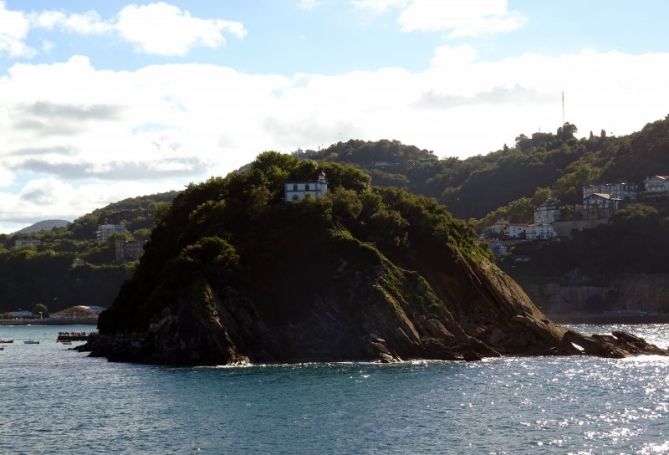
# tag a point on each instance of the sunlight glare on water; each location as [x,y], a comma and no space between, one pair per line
[59,401]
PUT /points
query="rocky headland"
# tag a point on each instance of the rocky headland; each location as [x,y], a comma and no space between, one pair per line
[233,273]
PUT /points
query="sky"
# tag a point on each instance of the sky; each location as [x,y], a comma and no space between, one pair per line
[100,101]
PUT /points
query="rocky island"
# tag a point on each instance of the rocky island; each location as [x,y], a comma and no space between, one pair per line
[235,272]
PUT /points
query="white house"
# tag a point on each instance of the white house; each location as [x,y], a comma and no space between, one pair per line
[297,191]
[657,184]
[106,230]
[547,212]
[515,231]
[602,201]
[623,190]
[496,229]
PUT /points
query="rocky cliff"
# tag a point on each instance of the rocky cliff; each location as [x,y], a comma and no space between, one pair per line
[233,273]
[642,297]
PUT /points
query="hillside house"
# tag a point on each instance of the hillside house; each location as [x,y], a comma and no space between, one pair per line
[495,230]
[515,231]
[601,201]
[657,184]
[107,230]
[540,232]
[127,250]
[297,191]
[547,212]
[623,190]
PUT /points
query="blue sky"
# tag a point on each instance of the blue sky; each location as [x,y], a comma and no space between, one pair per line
[334,36]
[105,100]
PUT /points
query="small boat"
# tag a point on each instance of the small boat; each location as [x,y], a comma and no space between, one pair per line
[6,341]
[30,341]
[2,348]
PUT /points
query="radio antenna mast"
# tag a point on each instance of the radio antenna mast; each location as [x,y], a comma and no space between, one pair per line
[563,120]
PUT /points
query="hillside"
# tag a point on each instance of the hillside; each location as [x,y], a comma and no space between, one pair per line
[234,273]
[476,186]
[45,225]
[67,265]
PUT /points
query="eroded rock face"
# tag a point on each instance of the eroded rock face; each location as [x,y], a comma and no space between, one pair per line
[372,312]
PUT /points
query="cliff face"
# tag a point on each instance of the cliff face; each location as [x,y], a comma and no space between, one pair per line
[234,274]
[638,295]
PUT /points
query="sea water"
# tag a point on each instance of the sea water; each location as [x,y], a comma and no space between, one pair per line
[54,400]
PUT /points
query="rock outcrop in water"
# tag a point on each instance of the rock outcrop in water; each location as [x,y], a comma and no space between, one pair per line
[233,273]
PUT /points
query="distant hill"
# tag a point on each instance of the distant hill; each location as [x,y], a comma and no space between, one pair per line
[45,225]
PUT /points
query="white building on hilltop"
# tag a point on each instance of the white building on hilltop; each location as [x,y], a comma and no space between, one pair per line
[297,191]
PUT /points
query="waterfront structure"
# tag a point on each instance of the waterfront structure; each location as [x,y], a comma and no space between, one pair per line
[19,314]
[297,191]
[79,312]
[657,184]
[107,230]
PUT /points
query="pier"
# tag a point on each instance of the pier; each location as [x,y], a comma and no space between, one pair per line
[65,337]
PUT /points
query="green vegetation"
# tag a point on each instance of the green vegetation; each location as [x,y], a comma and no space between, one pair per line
[69,267]
[477,186]
[636,241]
[238,235]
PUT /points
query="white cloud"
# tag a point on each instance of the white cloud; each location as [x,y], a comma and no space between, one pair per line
[378,6]
[460,17]
[88,23]
[159,28]
[109,134]
[154,28]
[14,28]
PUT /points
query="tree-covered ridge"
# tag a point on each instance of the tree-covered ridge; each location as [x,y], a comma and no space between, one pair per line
[239,233]
[78,238]
[69,266]
[476,186]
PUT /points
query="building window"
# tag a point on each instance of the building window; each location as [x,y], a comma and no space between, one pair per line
[306,187]
[295,197]
[294,186]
